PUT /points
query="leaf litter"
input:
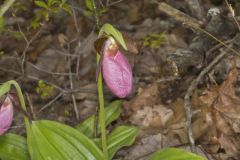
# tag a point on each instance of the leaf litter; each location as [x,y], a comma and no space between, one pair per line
[216,124]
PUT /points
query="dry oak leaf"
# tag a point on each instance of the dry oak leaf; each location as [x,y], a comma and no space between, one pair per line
[146,110]
[225,108]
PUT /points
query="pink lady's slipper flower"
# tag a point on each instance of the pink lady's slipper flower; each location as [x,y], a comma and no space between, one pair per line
[6,115]
[117,72]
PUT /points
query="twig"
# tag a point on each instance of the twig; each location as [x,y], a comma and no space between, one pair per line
[40,69]
[78,40]
[101,3]
[113,3]
[71,84]
[62,90]
[125,27]
[232,13]
[28,43]
[217,46]
[74,18]
[51,102]
[167,79]
[63,53]
[65,91]
[32,77]
[18,126]
[205,153]
[31,107]
[179,16]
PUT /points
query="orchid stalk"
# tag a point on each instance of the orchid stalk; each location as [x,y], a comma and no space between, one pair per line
[4,89]
[100,96]
[117,74]
[113,67]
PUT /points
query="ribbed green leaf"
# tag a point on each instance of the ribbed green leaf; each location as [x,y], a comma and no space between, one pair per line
[66,7]
[175,154]
[4,88]
[89,5]
[120,137]
[112,112]
[41,4]
[52,140]
[13,147]
[110,30]
[52,2]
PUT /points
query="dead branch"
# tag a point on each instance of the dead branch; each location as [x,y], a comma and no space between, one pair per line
[193,56]
[28,43]
[71,84]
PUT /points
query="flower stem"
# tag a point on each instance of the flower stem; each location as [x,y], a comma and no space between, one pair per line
[101,114]
[23,106]
[100,95]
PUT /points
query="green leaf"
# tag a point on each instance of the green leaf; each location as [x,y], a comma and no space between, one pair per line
[110,30]
[112,112]
[35,24]
[2,22]
[67,8]
[13,147]
[102,11]
[41,4]
[174,154]
[88,13]
[52,2]
[89,5]
[45,14]
[53,140]
[120,137]
[4,88]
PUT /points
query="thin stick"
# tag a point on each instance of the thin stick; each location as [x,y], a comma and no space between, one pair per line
[28,44]
[71,85]
[78,40]
[178,15]
[113,3]
[65,91]
[39,68]
[31,107]
[51,102]
[232,13]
